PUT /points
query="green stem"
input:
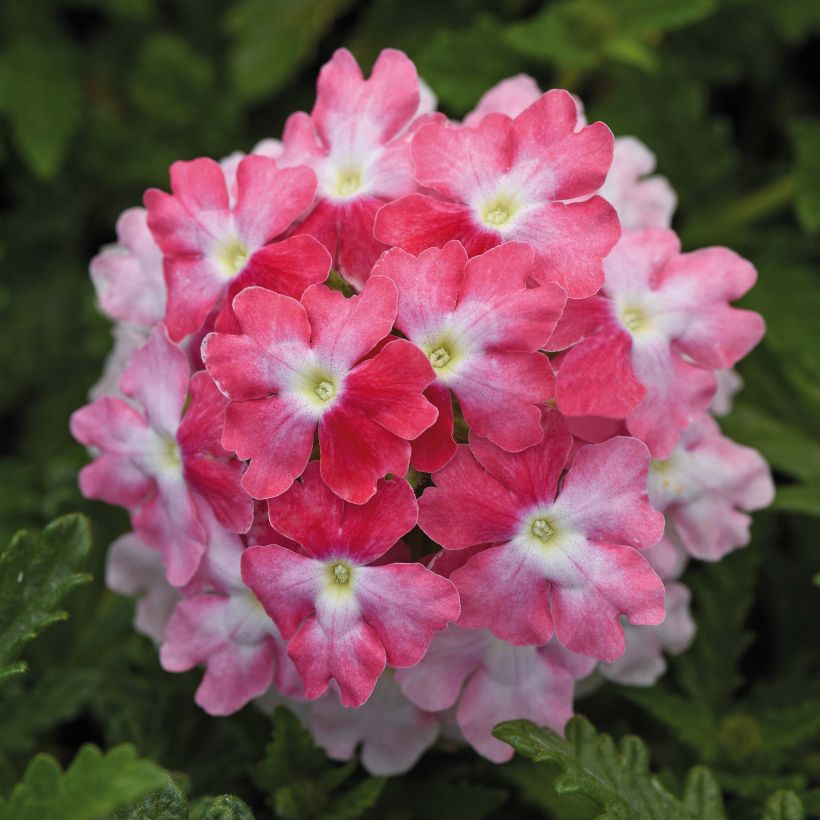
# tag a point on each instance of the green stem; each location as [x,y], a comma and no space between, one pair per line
[751,209]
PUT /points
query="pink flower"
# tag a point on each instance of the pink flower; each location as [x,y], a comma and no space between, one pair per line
[566,564]
[729,382]
[224,627]
[706,488]
[208,240]
[127,338]
[645,348]
[391,731]
[153,460]
[128,276]
[491,681]
[298,366]
[135,569]
[342,618]
[642,201]
[643,661]
[504,180]
[511,97]
[357,141]
[482,328]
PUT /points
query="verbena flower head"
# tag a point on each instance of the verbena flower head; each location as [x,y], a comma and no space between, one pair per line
[412,435]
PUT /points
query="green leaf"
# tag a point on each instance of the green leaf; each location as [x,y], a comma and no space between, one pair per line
[461,64]
[168,803]
[806,141]
[41,96]
[270,39]
[616,779]
[36,572]
[224,807]
[94,784]
[580,34]
[783,806]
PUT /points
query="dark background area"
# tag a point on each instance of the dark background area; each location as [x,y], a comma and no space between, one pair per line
[98,97]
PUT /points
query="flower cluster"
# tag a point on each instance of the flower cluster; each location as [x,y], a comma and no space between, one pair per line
[412,416]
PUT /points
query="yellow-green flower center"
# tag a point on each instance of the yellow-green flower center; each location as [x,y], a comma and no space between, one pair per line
[440,357]
[233,255]
[340,573]
[542,529]
[325,390]
[348,181]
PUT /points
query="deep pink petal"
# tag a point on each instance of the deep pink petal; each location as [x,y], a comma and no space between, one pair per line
[595,378]
[313,516]
[434,448]
[358,249]
[532,475]
[582,318]
[487,510]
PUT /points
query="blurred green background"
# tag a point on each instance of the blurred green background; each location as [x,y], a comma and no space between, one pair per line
[98,97]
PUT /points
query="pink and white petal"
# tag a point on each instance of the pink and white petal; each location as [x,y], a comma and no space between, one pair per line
[389,389]
[127,338]
[605,494]
[351,112]
[461,163]
[273,345]
[649,203]
[337,644]
[285,583]
[567,163]
[157,377]
[638,259]
[170,522]
[112,425]
[235,674]
[487,509]
[416,222]
[436,681]
[276,434]
[510,97]
[710,528]
[115,479]
[270,199]
[344,330]
[593,585]
[504,589]
[358,251]
[532,475]
[570,242]
[406,605]
[355,452]
[434,448]
[194,632]
[677,393]
[500,393]
[596,378]
[392,731]
[428,286]
[529,688]
[301,144]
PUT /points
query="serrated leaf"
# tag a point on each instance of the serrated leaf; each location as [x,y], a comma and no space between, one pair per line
[806,140]
[618,780]
[94,784]
[224,807]
[783,806]
[701,795]
[271,38]
[168,803]
[36,572]
[41,96]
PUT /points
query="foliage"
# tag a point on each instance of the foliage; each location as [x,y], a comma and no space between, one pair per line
[97,97]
